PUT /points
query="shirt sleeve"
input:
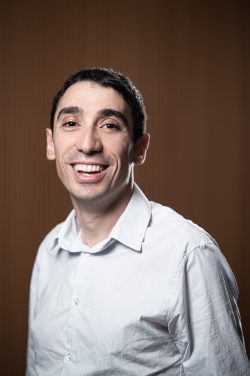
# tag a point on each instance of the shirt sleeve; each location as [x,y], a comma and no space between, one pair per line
[30,367]
[205,322]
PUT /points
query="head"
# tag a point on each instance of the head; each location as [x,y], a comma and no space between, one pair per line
[118,82]
[97,135]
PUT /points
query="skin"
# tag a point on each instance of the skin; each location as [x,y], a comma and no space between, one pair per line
[93,126]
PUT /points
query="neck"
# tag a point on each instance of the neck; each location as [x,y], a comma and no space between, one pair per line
[97,219]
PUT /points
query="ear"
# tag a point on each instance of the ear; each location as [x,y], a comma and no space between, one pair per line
[50,149]
[140,149]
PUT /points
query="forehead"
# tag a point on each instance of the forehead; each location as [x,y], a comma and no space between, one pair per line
[92,97]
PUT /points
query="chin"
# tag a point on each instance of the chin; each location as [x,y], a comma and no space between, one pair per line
[89,195]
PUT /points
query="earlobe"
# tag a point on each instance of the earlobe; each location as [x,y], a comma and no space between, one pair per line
[50,149]
[140,149]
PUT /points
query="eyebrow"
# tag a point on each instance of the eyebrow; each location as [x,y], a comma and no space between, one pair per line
[75,110]
[71,110]
[110,112]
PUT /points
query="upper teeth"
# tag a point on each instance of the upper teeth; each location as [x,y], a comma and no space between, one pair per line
[88,168]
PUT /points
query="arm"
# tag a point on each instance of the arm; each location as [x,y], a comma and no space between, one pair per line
[30,368]
[205,323]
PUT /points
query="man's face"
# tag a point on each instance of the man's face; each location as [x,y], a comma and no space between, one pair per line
[92,144]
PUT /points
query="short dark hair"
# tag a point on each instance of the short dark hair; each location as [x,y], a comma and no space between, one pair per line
[117,81]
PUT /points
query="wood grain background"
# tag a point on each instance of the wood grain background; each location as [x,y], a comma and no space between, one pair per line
[191,61]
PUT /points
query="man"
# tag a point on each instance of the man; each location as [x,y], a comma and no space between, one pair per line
[124,286]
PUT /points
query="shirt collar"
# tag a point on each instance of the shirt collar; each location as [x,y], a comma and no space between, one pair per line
[129,230]
[69,236]
[131,227]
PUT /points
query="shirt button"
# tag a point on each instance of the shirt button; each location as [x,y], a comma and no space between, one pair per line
[68,357]
[86,253]
[76,301]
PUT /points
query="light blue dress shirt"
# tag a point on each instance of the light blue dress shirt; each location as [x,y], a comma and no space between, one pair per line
[156,297]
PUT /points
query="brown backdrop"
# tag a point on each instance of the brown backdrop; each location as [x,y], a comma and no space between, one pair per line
[191,61]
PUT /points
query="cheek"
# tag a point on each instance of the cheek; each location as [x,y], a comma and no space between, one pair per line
[62,146]
[124,155]
[123,149]
[117,143]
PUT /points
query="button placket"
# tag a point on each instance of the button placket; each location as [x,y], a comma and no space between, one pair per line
[75,301]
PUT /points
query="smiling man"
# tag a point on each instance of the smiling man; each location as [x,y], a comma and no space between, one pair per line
[92,143]
[124,286]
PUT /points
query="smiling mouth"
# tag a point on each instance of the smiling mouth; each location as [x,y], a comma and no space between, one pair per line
[89,168]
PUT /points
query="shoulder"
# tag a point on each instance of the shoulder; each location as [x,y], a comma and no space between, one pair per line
[49,245]
[63,229]
[186,244]
[50,240]
[169,224]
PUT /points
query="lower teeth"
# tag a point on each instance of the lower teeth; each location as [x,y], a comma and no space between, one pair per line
[88,173]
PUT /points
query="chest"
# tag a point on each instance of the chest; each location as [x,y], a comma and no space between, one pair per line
[105,309]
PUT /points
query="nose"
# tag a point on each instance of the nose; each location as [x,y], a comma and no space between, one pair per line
[89,141]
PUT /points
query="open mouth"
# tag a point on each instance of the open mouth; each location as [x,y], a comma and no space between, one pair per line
[89,168]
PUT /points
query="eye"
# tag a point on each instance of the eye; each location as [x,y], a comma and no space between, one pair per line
[70,124]
[111,126]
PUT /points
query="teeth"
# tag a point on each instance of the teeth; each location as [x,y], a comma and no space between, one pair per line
[88,168]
